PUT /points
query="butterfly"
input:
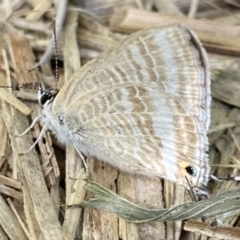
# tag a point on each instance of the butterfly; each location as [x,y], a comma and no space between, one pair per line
[142,106]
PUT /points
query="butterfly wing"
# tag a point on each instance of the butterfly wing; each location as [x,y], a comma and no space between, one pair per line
[144,105]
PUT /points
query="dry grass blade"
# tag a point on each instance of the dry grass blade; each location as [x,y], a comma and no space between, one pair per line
[74,169]
[166,6]
[3,143]
[40,8]
[226,87]
[72,216]
[29,167]
[215,37]
[9,223]
[225,204]
[9,98]
[220,44]
[193,8]
[33,211]
[94,41]
[131,19]
[216,232]
[92,25]
[103,9]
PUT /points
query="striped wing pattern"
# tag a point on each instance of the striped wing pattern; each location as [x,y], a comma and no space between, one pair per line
[143,105]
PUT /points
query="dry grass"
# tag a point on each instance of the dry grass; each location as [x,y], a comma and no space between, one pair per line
[32,194]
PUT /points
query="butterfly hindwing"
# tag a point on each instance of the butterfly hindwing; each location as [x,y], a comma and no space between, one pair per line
[144,104]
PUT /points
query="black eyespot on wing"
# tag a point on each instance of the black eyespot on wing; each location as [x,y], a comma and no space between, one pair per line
[191,170]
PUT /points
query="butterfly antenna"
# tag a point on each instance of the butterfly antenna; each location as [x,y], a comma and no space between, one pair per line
[56,54]
[22,87]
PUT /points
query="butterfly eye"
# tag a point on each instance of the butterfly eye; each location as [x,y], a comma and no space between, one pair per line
[47,96]
[44,98]
[191,170]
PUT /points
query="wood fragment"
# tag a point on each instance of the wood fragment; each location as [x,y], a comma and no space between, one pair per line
[131,20]
[9,223]
[169,7]
[9,98]
[193,8]
[168,193]
[107,6]
[14,210]
[127,230]
[40,213]
[72,63]
[72,215]
[39,10]
[29,167]
[39,27]
[93,41]
[220,44]
[92,25]
[74,165]
[11,192]
[221,127]
[232,19]
[3,142]
[20,47]
[225,165]
[152,199]
[226,87]
[98,223]
[10,182]
[217,232]
[26,96]
[6,81]
[215,37]
[3,235]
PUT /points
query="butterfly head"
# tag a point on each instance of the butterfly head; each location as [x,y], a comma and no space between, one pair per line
[45,97]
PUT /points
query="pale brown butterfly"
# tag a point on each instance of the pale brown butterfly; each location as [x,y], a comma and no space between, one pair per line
[142,106]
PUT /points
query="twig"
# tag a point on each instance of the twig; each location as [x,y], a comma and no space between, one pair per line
[9,98]
[217,232]
[193,8]
[221,127]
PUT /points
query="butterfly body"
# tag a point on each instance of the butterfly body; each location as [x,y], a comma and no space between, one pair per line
[142,106]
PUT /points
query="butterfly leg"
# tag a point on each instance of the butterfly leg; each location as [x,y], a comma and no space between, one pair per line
[82,158]
[38,139]
[31,126]
[197,193]
[215,223]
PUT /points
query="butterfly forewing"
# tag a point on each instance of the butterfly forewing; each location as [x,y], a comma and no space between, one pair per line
[143,105]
